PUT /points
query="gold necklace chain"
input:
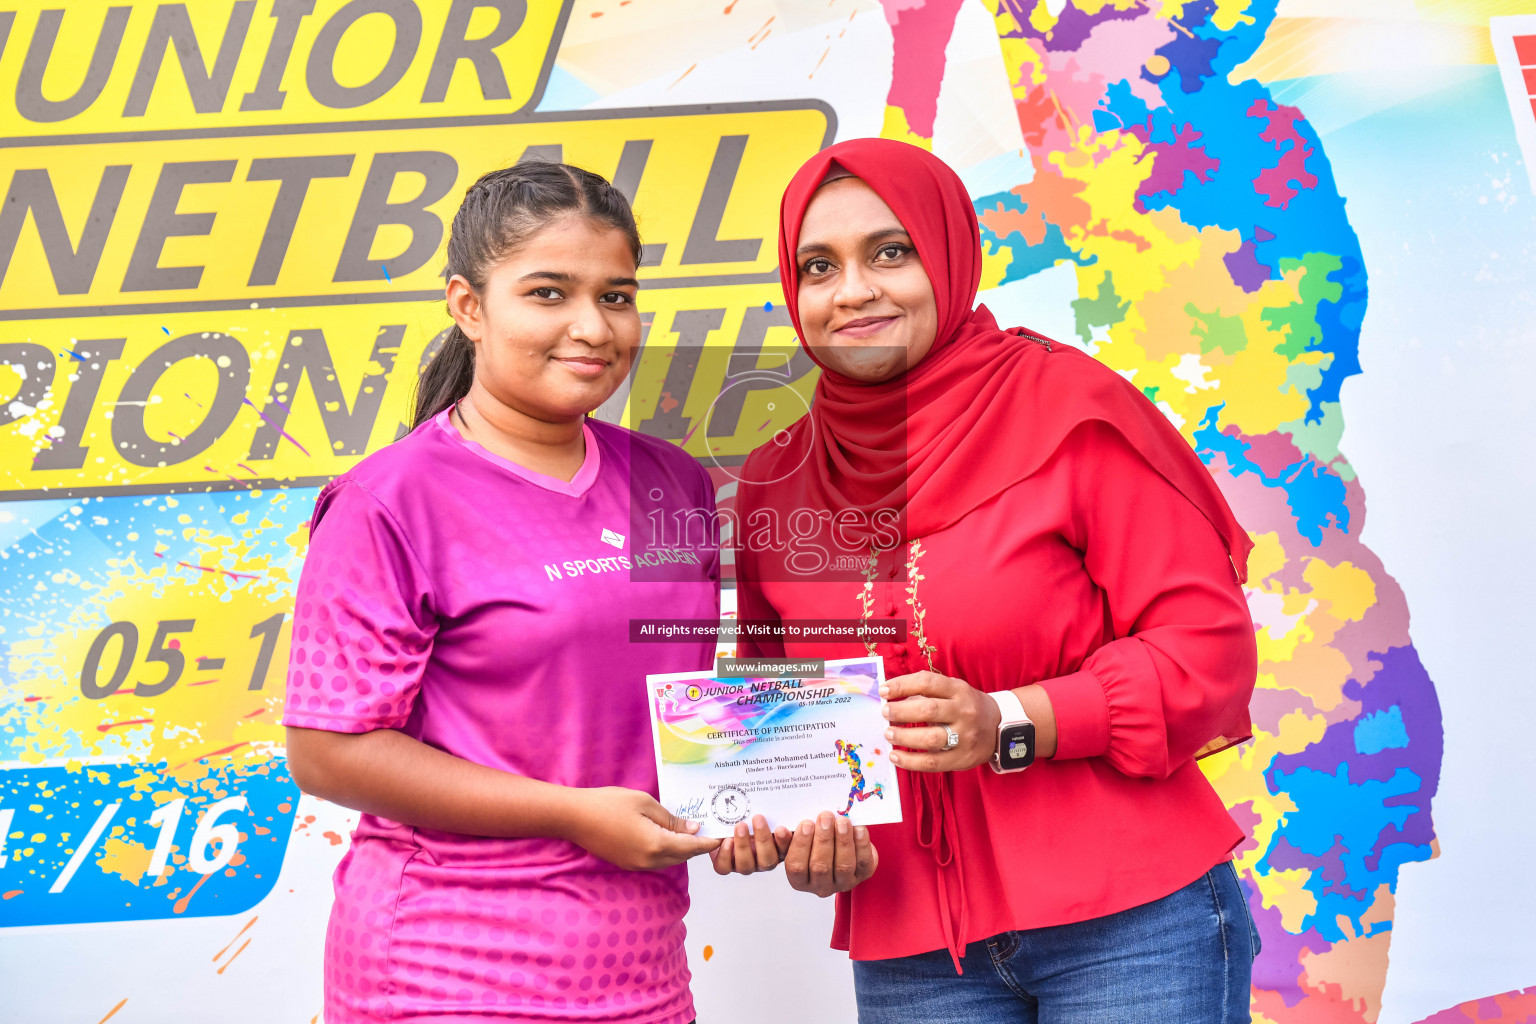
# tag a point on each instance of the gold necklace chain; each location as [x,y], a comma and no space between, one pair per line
[867,600]
[919,613]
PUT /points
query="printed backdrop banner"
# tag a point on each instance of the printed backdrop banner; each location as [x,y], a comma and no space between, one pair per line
[221,253]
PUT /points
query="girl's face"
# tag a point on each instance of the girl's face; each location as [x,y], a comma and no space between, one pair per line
[555,327]
[866,304]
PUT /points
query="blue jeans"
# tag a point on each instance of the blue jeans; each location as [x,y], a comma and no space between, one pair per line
[1184,959]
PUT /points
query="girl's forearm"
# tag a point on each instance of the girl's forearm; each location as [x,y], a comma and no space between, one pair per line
[389,774]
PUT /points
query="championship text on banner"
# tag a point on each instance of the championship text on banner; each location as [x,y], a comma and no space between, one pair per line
[196,313]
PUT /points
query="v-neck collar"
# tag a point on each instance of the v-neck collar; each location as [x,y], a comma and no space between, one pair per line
[579,484]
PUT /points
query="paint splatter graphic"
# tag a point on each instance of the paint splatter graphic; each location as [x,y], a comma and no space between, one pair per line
[145,775]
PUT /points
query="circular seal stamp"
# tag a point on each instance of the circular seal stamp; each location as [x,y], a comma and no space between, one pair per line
[729,805]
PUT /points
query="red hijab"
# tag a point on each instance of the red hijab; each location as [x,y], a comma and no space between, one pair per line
[983,410]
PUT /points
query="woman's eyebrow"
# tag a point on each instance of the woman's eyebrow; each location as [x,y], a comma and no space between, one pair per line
[875,236]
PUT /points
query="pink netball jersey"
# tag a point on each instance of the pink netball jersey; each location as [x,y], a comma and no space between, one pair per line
[484,609]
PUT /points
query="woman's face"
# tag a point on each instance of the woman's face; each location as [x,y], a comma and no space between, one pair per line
[866,304]
[555,327]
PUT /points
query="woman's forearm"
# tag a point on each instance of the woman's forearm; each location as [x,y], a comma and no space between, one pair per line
[389,774]
[1037,705]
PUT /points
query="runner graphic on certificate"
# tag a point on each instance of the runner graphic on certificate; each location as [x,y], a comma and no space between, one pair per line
[786,748]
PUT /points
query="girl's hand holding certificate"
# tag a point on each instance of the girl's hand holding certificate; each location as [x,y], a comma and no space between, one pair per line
[629,829]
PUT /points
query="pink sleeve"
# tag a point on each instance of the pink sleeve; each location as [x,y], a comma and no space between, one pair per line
[363,626]
[1184,658]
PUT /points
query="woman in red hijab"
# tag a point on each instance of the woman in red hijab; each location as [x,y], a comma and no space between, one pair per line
[1078,637]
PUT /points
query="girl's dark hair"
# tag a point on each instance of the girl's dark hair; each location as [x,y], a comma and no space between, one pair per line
[500,213]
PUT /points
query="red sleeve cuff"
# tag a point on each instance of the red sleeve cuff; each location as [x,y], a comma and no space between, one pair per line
[1082,715]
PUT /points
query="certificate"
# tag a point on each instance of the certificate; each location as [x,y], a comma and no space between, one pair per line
[786,748]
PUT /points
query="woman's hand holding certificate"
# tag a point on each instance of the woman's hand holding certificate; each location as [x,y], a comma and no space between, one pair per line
[826,856]
[750,850]
[831,856]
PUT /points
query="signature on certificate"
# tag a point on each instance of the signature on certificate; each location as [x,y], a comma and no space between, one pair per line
[692,810]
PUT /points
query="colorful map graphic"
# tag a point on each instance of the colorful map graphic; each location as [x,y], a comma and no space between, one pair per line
[848,756]
[1217,270]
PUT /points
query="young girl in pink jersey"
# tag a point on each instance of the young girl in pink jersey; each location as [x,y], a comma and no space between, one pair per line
[461,670]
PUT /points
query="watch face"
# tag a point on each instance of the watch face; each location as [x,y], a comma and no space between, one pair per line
[1016,746]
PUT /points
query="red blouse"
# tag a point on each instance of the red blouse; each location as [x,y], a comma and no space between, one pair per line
[1096,578]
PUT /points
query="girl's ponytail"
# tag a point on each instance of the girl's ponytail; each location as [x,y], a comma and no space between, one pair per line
[500,213]
[445,377]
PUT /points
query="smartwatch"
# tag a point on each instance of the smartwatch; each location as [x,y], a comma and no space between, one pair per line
[1015,735]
